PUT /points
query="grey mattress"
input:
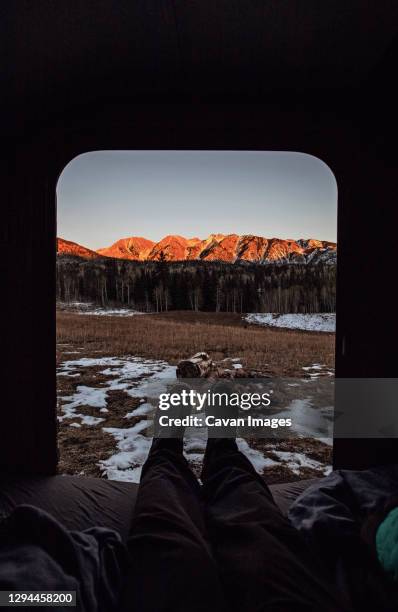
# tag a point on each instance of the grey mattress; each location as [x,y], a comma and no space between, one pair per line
[80,502]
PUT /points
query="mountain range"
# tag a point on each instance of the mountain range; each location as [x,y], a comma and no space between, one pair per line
[216,247]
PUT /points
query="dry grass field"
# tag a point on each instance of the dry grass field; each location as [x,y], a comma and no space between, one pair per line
[176,335]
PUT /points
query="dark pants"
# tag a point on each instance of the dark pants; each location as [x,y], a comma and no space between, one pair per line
[221,546]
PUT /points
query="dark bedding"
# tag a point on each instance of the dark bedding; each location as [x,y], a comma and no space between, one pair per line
[38,553]
[328,512]
[90,562]
[77,503]
[331,513]
[80,503]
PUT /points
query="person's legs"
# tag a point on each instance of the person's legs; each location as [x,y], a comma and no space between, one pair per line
[172,564]
[264,563]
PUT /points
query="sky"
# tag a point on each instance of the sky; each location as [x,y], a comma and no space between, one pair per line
[106,195]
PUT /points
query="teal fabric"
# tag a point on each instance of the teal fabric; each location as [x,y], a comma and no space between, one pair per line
[387,543]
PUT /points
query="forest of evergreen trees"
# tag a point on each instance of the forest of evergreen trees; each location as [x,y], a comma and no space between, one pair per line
[155,286]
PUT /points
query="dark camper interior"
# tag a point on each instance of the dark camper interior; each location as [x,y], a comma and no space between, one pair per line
[314,77]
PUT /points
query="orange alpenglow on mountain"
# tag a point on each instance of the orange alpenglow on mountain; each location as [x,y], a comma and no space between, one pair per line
[217,247]
[171,248]
[66,247]
[129,248]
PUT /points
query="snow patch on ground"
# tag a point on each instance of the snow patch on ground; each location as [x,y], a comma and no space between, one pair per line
[68,374]
[111,312]
[321,322]
[84,396]
[74,304]
[133,449]
[89,308]
[296,461]
[318,369]
[256,457]
[136,376]
[156,384]
[143,409]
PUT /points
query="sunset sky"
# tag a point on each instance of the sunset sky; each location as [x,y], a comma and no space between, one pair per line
[107,195]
